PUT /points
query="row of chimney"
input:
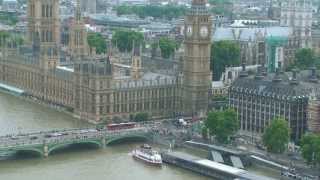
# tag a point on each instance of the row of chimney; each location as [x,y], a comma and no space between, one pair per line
[262,72]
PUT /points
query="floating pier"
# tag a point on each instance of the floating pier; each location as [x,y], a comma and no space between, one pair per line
[263,162]
[209,168]
[11,89]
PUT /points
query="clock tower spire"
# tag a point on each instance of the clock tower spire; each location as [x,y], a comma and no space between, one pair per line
[78,45]
[196,65]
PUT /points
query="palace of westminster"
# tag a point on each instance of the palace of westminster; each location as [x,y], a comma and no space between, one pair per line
[93,86]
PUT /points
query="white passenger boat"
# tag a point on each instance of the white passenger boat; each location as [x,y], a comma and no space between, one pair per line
[146,154]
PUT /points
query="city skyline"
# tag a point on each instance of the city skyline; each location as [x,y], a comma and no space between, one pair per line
[236,80]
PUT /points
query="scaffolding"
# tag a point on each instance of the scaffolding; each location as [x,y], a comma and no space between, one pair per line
[272,43]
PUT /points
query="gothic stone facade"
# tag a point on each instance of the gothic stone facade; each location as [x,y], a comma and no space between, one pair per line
[91,90]
[99,95]
[90,86]
[196,64]
[298,15]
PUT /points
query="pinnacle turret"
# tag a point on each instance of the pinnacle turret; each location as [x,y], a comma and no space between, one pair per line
[78,14]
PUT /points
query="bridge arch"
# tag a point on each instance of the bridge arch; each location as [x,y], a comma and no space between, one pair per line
[36,151]
[63,145]
[113,140]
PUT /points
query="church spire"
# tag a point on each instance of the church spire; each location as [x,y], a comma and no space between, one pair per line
[78,45]
[78,14]
[136,61]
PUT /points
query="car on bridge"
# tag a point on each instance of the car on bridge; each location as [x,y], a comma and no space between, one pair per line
[33,137]
[83,131]
[13,137]
[92,130]
[53,135]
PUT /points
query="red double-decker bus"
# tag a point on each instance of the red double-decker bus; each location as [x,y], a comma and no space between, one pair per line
[112,127]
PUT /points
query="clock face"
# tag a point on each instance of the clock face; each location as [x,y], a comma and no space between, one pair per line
[204,31]
[189,31]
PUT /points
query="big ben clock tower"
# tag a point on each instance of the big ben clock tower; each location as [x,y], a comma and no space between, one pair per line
[196,64]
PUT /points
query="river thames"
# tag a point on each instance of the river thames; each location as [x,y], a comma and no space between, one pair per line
[113,162]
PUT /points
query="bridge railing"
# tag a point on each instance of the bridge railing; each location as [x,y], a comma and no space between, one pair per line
[9,145]
[42,133]
[6,142]
[127,131]
[23,143]
[62,131]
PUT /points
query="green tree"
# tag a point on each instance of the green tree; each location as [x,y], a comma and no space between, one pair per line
[10,38]
[121,10]
[19,40]
[167,12]
[223,54]
[222,7]
[124,39]
[141,117]
[9,18]
[276,136]
[97,41]
[305,58]
[222,124]
[4,35]
[167,47]
[310,148]
[16,39]
[204,133]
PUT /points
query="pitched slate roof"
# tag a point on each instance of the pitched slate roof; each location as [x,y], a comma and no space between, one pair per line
[281,89]
[245,34]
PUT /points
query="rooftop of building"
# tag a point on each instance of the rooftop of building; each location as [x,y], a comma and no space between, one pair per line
[117,20]
[148,79]
[280,85]
[250,33]
[156,26]
[148,76]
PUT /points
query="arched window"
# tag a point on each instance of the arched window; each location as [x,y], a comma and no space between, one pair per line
[308,21]
[300,20]
[81,38]
[43,10]
[292,18]
[285,19]
[47,12]
[50,10]
[47,36]
[42,36]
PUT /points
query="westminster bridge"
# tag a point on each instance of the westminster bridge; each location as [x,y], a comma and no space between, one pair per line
[44,143]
